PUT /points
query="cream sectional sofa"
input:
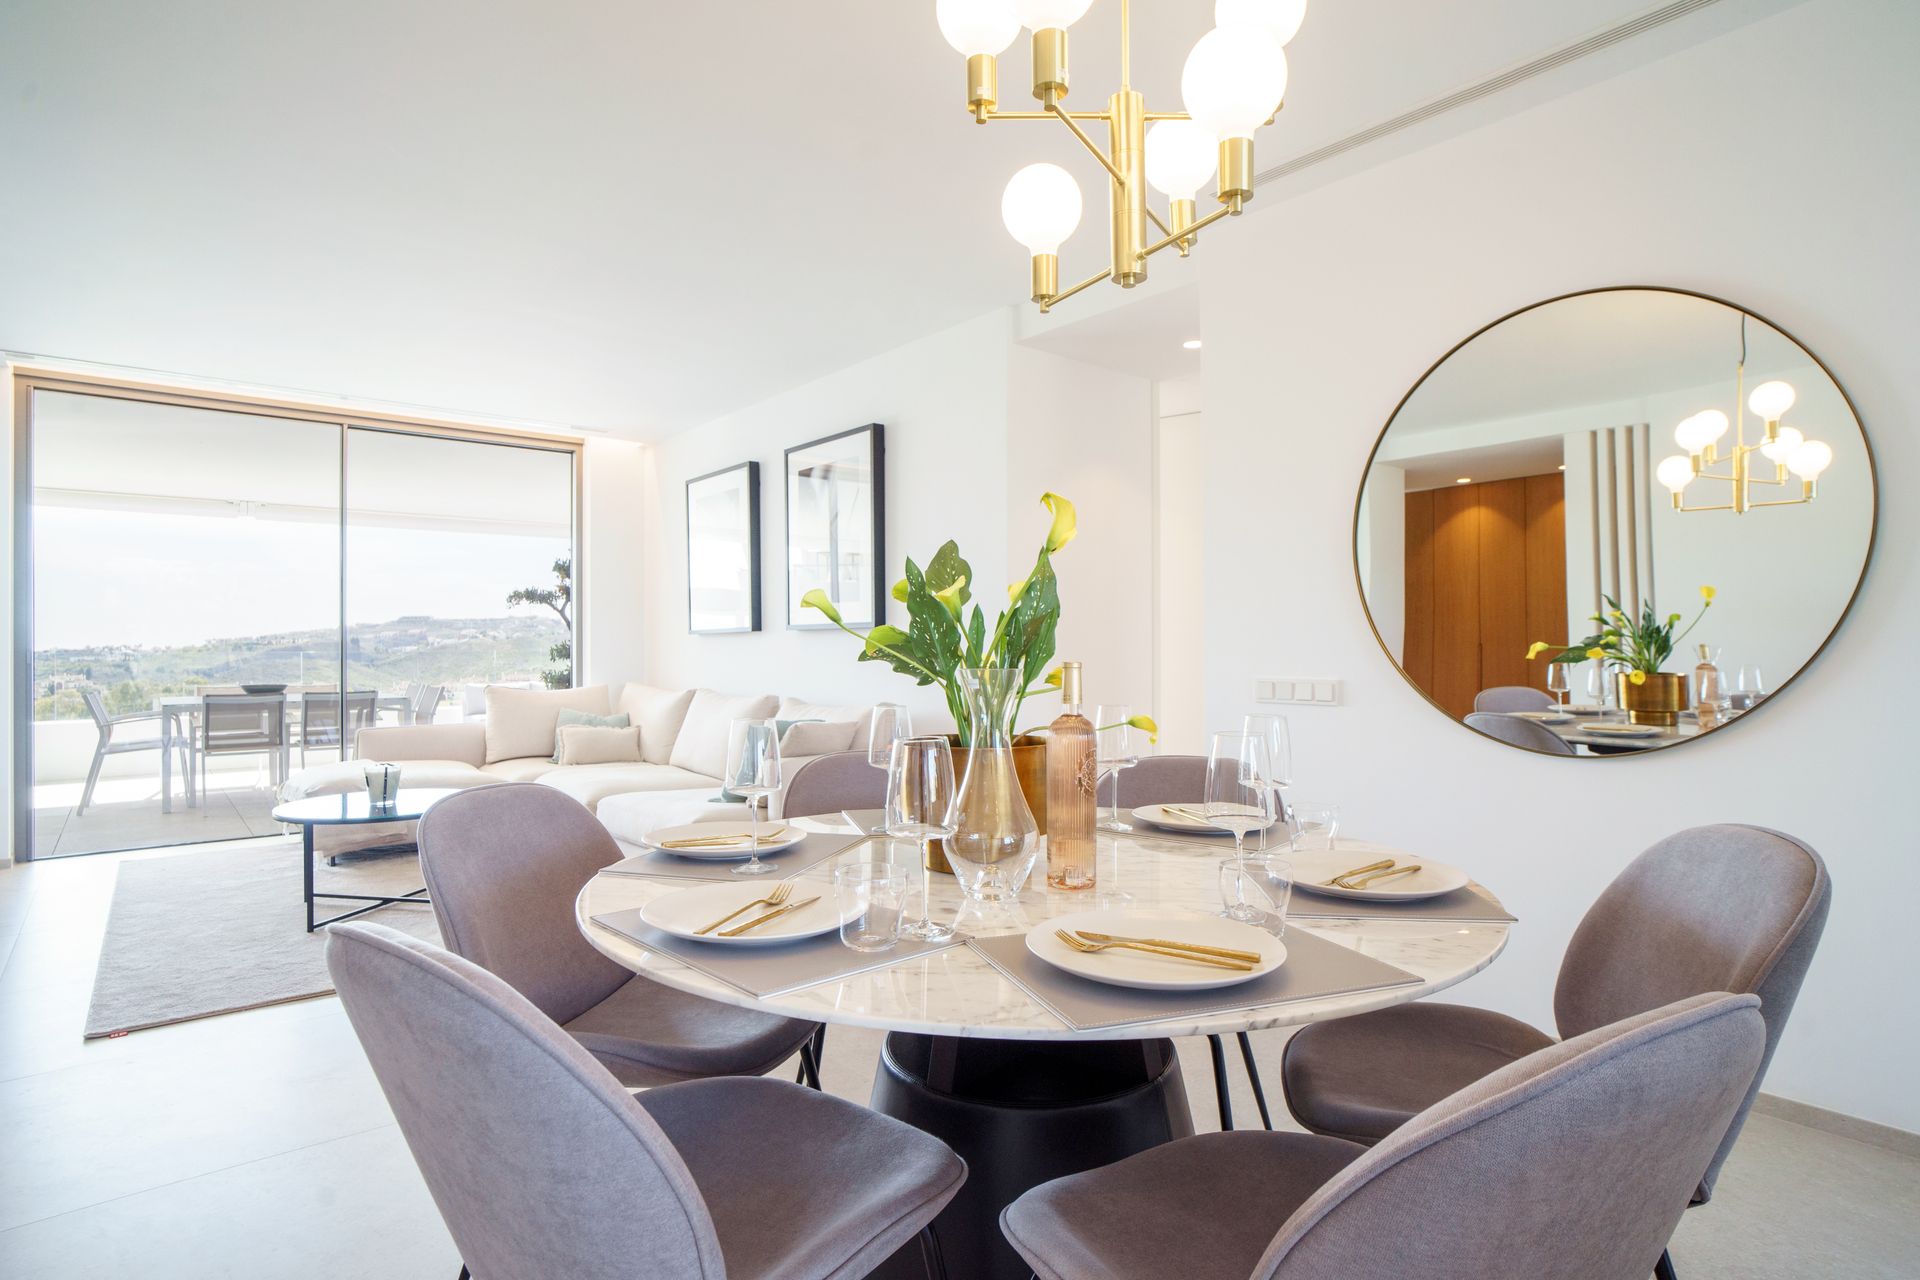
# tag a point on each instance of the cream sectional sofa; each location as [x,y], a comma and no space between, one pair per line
[682,750]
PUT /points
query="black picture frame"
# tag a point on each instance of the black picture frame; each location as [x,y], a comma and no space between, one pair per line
[743,478]
[862,452]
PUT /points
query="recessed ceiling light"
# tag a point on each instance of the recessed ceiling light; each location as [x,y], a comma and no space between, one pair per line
[1464,480]
[1191,344]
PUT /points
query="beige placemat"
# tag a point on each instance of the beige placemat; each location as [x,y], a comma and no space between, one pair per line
[1315,969]
[814,849]
[1467,906]
[769,971]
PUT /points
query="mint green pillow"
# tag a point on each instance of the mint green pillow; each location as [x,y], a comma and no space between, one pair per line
[568,716]
[780,728]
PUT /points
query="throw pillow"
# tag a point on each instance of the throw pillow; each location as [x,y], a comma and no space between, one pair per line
[598,744]
[817,738]
[702,744]
[659,713]
[569,716]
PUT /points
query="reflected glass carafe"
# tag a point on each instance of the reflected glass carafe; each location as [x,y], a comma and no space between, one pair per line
[995,841]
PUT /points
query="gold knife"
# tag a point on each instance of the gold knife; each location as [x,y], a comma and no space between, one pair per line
[757,921]
[1365,881]
[1226,953]
[1339,880]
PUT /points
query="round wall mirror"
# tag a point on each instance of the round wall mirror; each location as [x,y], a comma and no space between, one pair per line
[1614,522]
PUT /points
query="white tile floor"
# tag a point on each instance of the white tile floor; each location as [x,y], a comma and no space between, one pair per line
[258,1144]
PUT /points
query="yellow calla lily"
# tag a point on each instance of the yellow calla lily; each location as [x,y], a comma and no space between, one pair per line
[1636,677]
[900,591]
[1016,589]
[817,599]
[1596,654]
[1145,723]
[1052,680]
[950,597]
[1707,594]
[885,637]
[1535,649]
[1065,522]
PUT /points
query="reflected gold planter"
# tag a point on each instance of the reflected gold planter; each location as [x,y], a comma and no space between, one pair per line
[1659,701]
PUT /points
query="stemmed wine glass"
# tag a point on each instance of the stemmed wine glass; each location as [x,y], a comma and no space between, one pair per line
[1599,689]
[920,796]
[1559,683]
[891,724]
[1748,688]
[1115,750]
[753,771]
[1240,795]
[1279,760]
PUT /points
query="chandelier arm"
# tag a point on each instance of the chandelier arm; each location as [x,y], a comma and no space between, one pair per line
[1064,294]
[1151,116]
[1782,502]
[1725,506]
[1044,115]
[1165,230]
[1176,237]
[1091,145]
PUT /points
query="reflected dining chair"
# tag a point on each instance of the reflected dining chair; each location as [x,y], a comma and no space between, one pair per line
[503,865]
[1512,697]
[239,724]
[104,724]
[1516,732]
[1573,1162]
[320,721]
[1716,908]
[1180,779]
[832,784]
[542,1165]
[423,701]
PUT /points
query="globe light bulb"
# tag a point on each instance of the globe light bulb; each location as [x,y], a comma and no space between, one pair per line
[1702,429]
[977,26]
[1040,15]
[1233,80]
[1041,207]
[1781,447]
[1771,400]
[1675,472]
[1281,18]
[1810,459]
[1181,156]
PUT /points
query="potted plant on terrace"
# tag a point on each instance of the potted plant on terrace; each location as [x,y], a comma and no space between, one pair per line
[1641,647]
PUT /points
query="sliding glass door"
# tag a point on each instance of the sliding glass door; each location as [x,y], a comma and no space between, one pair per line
[207,581]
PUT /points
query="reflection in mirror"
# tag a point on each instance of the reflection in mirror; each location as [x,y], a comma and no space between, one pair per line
[1652,452]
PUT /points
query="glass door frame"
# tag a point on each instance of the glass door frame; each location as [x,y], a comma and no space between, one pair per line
[28,378]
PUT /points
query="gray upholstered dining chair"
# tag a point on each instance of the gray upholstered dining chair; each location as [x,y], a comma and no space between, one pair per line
[1512,697]
[503,865]
[1513,730]
[1716,908]
[833,783]
[543,1166]
[1573,1162]
[239,724]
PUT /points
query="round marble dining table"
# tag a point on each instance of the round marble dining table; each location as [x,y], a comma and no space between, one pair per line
[975,1059]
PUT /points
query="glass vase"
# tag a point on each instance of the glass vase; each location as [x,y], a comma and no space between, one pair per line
[996,840]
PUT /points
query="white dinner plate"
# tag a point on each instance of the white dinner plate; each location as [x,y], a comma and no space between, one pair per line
[1622,730]
[1156,815]
[740,848]
[1312,871]
[1574,710]
[1542,717]
[1121,967]
[685,913]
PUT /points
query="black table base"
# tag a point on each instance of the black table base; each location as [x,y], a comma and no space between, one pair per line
[1023,1112]
[374,901]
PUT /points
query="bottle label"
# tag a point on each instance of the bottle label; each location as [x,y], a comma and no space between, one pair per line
[1086,779]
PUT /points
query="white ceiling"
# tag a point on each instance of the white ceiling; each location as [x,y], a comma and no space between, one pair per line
[624,217]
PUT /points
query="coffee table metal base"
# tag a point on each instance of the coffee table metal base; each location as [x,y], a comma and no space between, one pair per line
[1023,1112]
[374,901]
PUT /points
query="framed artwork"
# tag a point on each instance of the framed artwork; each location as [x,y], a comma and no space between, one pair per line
[835,517]
[723,551]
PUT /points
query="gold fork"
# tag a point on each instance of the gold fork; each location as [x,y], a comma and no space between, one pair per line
[701,842]
[775,897]
[1340,880]
[1093,948]
[1363,881]
[774,914]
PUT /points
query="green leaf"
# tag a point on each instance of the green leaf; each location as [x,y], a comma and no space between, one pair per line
[1029,640]
[947,568]
[934,631]
[977,638]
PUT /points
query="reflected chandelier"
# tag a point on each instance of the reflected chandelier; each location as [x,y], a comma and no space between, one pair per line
[1233,82]
[1785,447]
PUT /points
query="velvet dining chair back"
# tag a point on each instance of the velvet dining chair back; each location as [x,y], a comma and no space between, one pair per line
[1159,780]
[540,1162]
[1573,1162]
[1516,732]
[1512,697]
[503,865]
[1717,908]
[832,783]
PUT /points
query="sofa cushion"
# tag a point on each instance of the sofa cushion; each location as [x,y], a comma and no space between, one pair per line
[595,784]
[581,744]
[813,738]
[658,712]
[702,744]
[525,769]
[568,716]
[465,743]
[520,722]
[861,718]
[349,777]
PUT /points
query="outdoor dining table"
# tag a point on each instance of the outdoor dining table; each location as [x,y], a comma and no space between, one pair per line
[973,1056]
[179,712]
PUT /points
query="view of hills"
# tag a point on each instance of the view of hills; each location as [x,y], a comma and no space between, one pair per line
[386,656]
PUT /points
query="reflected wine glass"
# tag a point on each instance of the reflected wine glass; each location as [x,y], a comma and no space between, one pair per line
[1115,749]
[891,723]
[1559,683]
[1279,760]
[920,799]
[1599,688]
[1748,688]
[1239,795]
[753,771]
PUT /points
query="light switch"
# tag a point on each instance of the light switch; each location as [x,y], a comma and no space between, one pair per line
[1263,691]
[1323,691]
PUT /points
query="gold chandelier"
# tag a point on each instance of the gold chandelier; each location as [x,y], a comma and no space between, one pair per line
[1233,82]
[1785,448]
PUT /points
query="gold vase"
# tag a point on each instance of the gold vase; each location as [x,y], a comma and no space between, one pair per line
[1656,701]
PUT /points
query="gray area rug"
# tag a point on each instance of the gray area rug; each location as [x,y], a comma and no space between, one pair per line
[200,934]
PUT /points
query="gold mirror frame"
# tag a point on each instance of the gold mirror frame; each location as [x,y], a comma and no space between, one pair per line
[1866,560]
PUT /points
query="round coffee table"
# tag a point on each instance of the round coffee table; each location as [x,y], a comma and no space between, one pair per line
[353,808]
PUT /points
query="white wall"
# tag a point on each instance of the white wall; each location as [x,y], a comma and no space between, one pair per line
[1179,687]
[618,473]
[1321,310]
